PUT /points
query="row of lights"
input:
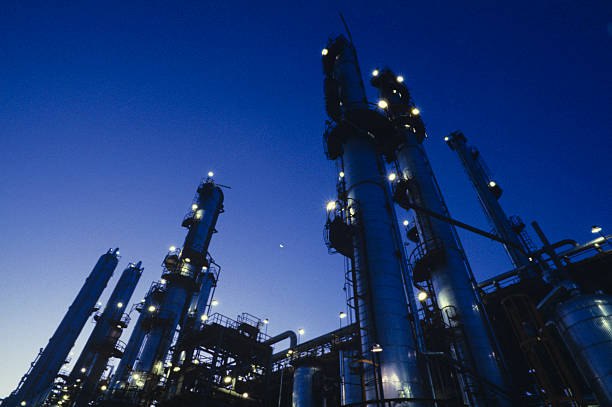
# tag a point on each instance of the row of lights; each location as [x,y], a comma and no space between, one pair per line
[383,104]
[399,78]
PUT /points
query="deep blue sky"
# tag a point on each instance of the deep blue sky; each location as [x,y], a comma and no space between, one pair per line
[112,113]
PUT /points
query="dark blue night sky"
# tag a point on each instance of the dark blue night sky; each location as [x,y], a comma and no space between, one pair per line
[112,113]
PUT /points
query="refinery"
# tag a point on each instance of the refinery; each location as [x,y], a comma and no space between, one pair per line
[419,330]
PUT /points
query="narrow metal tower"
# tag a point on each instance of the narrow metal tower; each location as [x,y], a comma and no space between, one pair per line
[102,342]
[182,269]
[439,257]
[148,310]
[388,349]
[35,385]
[488,191]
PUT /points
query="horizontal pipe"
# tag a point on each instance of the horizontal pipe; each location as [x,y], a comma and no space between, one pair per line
[285,335]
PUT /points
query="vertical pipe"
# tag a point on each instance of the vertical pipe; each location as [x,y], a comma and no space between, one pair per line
[450,275]
[486,191]
[37,383]
[100,346]
[383,308]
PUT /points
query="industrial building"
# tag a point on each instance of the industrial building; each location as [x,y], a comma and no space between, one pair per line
[421,330]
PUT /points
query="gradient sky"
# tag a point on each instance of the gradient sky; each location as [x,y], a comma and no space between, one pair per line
[112,113]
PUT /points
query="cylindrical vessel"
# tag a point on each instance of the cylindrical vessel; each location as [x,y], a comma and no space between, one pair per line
[37,384]
[307,387]
[449,273]
[486,190]
[350,377]
[585,324]
[148,310]
[392,371]
[100,346]
[182,277]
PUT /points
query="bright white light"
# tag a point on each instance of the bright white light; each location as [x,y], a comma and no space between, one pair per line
[325,51]
[377,348]
[103,387]
[245,395]
[266,321]
[23,403]
[400,79]
[187,260]
[163,281]
[415,111]
[210,173]
[422,296]
[281,245]
[214,303]
[172,248]
[446,138]
[194,207]
[227,379]
[406,222]
[492,184]
[176,369]
[375,72]
[383,104]
[595,229]
[392,176]
[331,205]
[83,370]
[152,308]
[341,174]
[301,331]
[342,315]
[204,317]
[66,397]
[119,304]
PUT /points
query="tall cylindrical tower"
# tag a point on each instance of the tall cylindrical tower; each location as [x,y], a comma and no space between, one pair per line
[440,257]
[148,310]
[101,345]
[488,191]
[37,382]
[387,343]
[182,269]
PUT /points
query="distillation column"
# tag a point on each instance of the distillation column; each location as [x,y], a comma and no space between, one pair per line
[488,192]
[148,310]
[393,371]
[181,273]
[196,314]
[445,260]
[101,345]
[38,381]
